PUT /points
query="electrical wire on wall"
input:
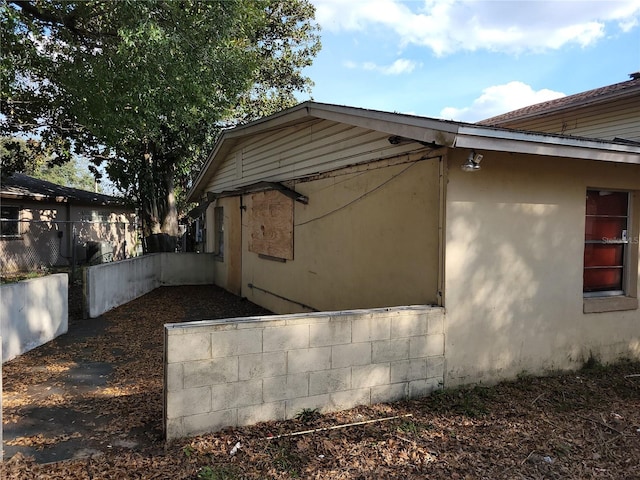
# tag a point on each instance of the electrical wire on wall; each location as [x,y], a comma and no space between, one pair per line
[357,199]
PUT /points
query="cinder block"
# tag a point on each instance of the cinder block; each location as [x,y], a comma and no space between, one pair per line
[189,401]
[435,345]
[297,405]
[371,328]
[174,428]
[175,380]
[435,367]
[389,350]
[421,388]
[408,370]
[328,381]
[350,354]
[185,348]
[350,398]
[238,394]
[236,342]
[435,321]
[418,347]
[409,324]
[288,337]
[370,375]
[389,393]
[261,413]
[331,333]
[262,365]
[285,387]
[210,372]
[210,422]
[309,360]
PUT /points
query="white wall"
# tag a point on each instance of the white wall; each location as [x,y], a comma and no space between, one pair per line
[32,312]
[242,371]
[113,284]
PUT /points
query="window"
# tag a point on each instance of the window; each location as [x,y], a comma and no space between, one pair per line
[218,224]
[9,221]
[606,243]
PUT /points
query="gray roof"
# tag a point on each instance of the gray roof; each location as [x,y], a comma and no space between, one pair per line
[23,186]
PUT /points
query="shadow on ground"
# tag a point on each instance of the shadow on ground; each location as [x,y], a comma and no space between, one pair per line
[98,388]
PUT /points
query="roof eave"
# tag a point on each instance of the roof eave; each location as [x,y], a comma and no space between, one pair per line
[540,144]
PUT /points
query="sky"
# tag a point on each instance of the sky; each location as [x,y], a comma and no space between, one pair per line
[469,60]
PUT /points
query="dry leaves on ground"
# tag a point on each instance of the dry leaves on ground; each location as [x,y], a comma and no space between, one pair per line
[578,425]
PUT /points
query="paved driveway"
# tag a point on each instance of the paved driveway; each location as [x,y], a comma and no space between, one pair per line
[99,387]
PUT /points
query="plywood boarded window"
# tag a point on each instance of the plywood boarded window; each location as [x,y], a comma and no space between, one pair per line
[271,225]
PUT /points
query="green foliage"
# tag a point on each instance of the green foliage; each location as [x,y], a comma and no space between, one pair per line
[409,427]
[284,457]
[146,85]
[69,174]
[471,402]
[307,415]
[218,472]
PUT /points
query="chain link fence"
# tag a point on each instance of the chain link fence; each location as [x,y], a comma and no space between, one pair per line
[37,246]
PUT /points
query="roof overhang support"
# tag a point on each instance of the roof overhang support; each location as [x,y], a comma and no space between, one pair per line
[263,187]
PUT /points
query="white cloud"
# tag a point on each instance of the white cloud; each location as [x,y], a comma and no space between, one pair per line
[399,67]
[499,99]
[446,26]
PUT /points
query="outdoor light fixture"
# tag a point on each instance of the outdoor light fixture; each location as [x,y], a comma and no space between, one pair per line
[473,162]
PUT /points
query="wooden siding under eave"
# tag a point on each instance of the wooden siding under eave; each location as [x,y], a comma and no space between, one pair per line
[303,150]
[604,121]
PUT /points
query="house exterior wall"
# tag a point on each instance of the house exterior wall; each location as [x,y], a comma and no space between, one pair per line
[513,268]
[367,238]
[46,233]
[228,267]
[605,121]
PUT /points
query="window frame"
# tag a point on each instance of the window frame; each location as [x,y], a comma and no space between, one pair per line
[627,299]
[623,240]
[16,220]
[218,231]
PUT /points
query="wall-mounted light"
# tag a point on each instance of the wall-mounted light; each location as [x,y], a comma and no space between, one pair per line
[473,162]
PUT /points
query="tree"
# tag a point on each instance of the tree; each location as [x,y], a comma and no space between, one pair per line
[146,85]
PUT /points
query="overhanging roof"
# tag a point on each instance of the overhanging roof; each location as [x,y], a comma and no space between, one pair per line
[422,129]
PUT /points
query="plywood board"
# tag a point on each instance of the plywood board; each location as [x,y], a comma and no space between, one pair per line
[271,224]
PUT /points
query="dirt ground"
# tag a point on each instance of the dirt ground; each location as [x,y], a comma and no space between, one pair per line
[108,373]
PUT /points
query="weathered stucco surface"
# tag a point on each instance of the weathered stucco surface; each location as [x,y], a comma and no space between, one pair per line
[514,260]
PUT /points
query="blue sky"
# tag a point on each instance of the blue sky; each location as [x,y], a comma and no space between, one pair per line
[469,60]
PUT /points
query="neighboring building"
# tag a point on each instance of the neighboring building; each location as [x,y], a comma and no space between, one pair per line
[534,256]
[607,113]
[40,223]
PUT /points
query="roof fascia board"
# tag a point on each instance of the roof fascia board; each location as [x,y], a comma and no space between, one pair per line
[417,128]
[519,142]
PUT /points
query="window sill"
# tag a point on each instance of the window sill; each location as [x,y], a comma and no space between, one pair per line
[609,304]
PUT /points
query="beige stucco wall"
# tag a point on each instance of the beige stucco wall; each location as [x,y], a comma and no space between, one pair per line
[227,271]
[367,238]
[513,273]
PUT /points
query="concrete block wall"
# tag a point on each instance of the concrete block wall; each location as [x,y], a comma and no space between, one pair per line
[32,312]
[110,285]
[243,371]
